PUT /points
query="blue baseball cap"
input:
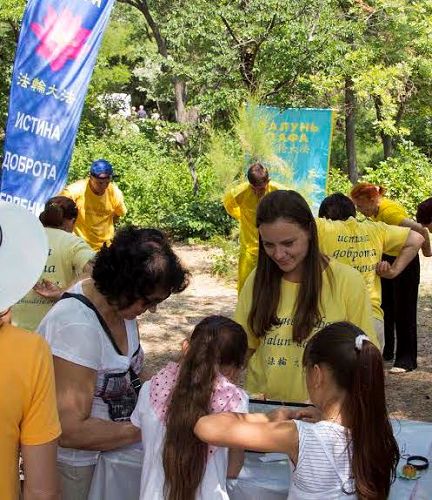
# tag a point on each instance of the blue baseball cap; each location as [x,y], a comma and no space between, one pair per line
[101,167]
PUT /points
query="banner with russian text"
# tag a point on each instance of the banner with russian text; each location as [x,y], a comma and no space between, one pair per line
[302,144]
[57,49]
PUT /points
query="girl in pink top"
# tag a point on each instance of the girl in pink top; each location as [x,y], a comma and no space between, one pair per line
[177,465]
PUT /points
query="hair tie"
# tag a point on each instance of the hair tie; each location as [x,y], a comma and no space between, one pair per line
[359,341]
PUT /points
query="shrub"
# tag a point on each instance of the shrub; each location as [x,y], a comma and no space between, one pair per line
[406,176]
[225,262]
[157,184]
[338,182]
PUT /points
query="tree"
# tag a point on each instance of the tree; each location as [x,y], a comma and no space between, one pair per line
[398,40]
[161,9]
[10,16]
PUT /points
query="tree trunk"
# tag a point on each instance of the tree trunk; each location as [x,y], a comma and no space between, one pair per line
[179,84]
[350,107]
[388,147]
[386,139]
[180,100]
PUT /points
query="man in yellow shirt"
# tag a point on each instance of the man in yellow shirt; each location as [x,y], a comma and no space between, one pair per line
[28,411]
[241,203]
[362,245]
[100,203]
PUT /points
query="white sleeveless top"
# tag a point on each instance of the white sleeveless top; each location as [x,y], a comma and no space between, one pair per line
[323,467]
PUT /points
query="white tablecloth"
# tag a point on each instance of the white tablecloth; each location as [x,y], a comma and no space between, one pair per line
[117,475]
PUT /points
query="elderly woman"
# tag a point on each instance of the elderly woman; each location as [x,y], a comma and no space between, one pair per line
[98,360]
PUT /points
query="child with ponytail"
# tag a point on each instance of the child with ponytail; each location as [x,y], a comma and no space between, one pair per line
[177,465]
[351,452]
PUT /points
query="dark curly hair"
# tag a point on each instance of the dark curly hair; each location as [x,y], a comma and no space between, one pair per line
[137,263]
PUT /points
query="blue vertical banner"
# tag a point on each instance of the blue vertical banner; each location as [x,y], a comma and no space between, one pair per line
[302,143]
[57,50]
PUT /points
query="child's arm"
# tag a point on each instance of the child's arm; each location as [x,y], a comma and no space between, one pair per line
[278,415]
[249,431]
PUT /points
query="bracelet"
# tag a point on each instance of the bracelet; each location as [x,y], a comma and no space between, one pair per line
[418,462]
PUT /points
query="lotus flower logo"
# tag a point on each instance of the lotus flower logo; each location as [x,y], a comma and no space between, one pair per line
[61,37]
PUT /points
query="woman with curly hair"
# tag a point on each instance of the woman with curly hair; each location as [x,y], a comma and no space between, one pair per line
[98,359]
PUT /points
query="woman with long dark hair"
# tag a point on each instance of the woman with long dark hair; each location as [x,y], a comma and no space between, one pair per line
[294,291]
[69,257]
[351,452]
[399,295]
[177,465]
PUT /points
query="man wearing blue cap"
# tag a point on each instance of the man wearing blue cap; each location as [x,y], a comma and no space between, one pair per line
[100,203]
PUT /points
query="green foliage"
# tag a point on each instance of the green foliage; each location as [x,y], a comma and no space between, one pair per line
[226,157]
[296,53]
[251,129]
[157,185]
[338,182]
[10,15]
[406,176]
[225,262]
[198,218]
[250,140]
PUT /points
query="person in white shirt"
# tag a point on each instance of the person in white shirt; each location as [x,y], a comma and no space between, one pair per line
[99,363]
[177,465]
[351,452]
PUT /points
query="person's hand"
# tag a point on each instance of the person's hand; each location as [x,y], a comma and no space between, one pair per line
[308,414]
[281,414]
[48,290]
[385,270]
[6,316]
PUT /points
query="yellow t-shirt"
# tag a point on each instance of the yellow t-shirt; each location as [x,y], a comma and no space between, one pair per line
[28,408]
[361,245]
[67,256]
[95,222]
[391,212]
[275,368]
[241,203]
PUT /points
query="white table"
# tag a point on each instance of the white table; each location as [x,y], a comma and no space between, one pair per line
[117,475]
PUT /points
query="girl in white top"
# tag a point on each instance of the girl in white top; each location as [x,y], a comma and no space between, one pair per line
[177,465]
[351,452]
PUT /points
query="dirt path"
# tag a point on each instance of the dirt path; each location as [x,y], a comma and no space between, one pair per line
[163,332]
[409,395]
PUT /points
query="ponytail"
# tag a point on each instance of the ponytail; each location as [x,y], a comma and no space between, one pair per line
[357,368]
[375,451]
[58,209]
[215,342]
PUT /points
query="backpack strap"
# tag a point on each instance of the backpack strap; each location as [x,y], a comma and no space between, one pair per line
[135,380]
